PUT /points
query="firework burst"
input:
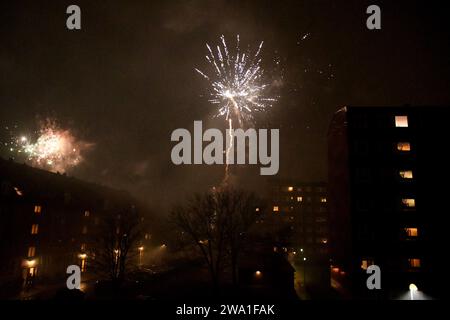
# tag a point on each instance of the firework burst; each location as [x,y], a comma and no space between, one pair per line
[237,86]
[236,81]
[54,149]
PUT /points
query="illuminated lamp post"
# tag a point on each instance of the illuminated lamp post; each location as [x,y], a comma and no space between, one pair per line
[412,289]
[141,251]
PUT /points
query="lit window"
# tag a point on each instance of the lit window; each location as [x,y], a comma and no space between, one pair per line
[414,263]
[290,189]
[34,229]
[401,121]
[84,231]
[411,232]
[408,174]
[275,209]
[31,251]
[404,146]
[365,263]
[409,203]
[323,199]
[299,199]
[87,213]
[37,209]
[18,191]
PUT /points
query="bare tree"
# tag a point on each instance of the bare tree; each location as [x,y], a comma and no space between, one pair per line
[217,223]
[116,244]
[202,220]
[241,214]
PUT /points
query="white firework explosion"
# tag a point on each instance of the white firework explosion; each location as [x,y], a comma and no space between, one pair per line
[236,81]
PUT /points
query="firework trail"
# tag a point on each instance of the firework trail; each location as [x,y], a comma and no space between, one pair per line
[230,147]
[237,86]
[54,149]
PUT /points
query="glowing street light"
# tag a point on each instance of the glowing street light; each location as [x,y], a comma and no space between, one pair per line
[116,255]
[412,289]
[83,257]
[141,249]
[31,263]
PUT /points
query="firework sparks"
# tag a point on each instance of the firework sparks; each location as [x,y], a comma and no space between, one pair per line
[237,85]
[54,149]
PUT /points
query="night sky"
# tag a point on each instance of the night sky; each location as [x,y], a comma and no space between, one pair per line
[126,80]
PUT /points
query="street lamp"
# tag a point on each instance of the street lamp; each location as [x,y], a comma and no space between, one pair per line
[141,249]
[31,263]
[116,255]
[412,289]
[304,271]
[83,257]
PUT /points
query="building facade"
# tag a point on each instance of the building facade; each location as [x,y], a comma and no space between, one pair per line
[48,222]
[387,201]
[298,213]
[296,224]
